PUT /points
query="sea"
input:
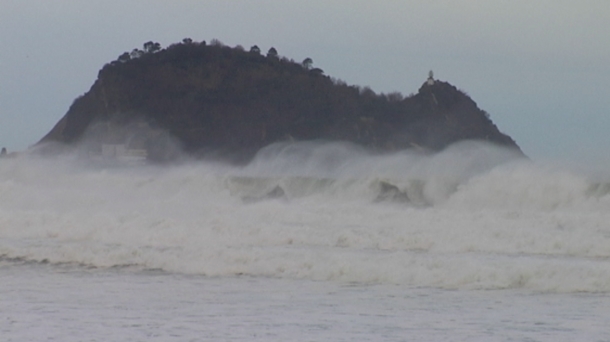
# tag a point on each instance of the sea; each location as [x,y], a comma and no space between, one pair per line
[310,241]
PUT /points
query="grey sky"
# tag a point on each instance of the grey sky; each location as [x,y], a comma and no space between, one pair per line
[540,68]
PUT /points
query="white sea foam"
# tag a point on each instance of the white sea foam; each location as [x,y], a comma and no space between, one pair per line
[472,222]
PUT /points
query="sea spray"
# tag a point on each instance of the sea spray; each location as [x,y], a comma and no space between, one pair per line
[481,221]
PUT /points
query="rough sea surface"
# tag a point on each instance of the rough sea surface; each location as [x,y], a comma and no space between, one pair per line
[309,242]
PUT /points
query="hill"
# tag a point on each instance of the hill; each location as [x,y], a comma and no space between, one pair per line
[215,100]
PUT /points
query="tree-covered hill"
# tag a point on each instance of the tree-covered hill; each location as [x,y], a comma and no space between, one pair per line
[212,98]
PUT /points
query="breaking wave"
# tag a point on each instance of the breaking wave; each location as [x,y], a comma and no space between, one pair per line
[471,217]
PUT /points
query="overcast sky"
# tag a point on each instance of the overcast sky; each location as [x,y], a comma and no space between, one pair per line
[540,68]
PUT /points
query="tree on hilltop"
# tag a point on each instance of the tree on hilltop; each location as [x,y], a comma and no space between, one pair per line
[124,57]
[307,63]
[150,47]
[136,53]
[272,53]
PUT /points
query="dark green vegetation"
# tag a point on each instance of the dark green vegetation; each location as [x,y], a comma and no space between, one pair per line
[214,99]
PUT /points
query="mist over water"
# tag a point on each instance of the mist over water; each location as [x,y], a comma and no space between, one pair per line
[471,217]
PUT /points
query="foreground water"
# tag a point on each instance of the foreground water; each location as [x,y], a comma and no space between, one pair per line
[42,302]
[308,242]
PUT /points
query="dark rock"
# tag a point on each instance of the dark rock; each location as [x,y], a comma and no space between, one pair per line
[276,193]
[390,192]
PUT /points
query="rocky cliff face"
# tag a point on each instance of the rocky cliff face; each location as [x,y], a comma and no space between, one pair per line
[213,99]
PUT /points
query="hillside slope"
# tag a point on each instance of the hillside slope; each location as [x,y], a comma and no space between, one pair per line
[223,101]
